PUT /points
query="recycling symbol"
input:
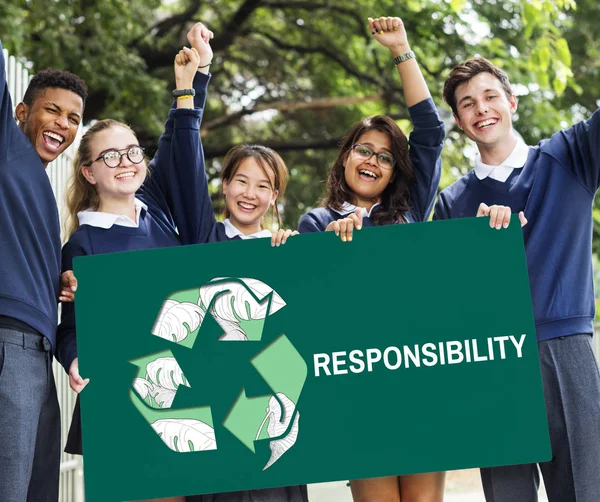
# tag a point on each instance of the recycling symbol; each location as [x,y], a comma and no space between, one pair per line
[240,307]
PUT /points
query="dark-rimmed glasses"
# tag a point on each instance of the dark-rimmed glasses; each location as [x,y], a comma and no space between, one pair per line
[363,152]
[113,158]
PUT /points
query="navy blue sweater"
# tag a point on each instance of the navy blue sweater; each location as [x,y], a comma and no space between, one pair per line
[425,147]
[556,190]
[193,210]
[29,228]
[177,160]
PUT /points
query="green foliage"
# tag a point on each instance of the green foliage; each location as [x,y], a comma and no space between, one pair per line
[296,74]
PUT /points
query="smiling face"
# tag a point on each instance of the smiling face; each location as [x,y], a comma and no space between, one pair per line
[119,182]
[51,122]
[249,194]
[484,112]
[366,178]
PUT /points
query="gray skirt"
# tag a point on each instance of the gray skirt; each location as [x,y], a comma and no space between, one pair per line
[286,494]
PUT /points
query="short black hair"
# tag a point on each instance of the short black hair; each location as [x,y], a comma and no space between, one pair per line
[47,79]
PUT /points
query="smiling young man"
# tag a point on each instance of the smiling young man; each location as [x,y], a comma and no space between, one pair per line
[48,119]
[554,183]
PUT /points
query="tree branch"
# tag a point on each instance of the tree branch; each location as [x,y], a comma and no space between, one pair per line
[232,29]
[161,28]
[315,104]
[228,33]
[325,52]
[312,6]
[211,152]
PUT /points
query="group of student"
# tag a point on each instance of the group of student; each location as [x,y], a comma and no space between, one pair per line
[118,202]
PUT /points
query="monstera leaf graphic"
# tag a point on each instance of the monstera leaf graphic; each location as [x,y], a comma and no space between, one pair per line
[163,378]
[176,320]
[241,307]
[163,397]
[237,303]
[166,372]
[232,331]
[185,434]
[142,387]
[277,427]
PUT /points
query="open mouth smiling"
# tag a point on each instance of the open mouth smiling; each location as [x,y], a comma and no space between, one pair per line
[53,140]
[485,123]
[367,174]
[247,206]
[125,175]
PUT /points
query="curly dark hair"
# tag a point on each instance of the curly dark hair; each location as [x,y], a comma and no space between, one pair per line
[395,199]
[47,79]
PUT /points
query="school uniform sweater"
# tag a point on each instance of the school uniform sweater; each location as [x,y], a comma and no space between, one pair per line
[195,219]
[177,153]
[425,147]
[555,188]
[29,229]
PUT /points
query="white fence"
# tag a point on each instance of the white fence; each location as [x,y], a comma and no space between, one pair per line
[71,477]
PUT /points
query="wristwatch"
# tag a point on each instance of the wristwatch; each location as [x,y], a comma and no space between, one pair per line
[403,57]
[183,92]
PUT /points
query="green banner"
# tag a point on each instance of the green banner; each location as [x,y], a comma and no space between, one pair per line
[233,366]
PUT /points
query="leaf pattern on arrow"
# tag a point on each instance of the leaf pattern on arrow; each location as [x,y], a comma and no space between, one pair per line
[142,387]
[185,434]
[176,320]
[277,427]
[163,378]
[238,304]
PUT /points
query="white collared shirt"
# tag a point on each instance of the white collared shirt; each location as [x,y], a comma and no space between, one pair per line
[348,208]
[232,231]
[516,160]
[107,220]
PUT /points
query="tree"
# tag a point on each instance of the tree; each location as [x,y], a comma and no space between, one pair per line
[294,74]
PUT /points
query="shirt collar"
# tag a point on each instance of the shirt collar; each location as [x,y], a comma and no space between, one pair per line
[232,232]
[516,160]
[348,208]
[107,220]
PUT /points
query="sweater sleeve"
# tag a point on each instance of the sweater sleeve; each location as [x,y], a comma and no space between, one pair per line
[310,222]
[441,211]
[582,151]
[8,127]
[425,149]
[178,170]
[66,343]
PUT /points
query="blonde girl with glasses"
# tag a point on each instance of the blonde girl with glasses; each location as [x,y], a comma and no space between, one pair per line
[118,203]
[382,178]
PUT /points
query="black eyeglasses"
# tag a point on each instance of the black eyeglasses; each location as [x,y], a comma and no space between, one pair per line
[363,152]
[113,158]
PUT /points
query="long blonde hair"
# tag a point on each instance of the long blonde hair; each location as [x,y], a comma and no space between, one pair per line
[81,194]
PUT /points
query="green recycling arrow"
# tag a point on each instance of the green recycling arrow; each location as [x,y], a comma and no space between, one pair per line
[241,419]
[284,370]
[240,307]
[282,367]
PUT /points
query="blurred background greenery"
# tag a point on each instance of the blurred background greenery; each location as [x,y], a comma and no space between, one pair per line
[295,74]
